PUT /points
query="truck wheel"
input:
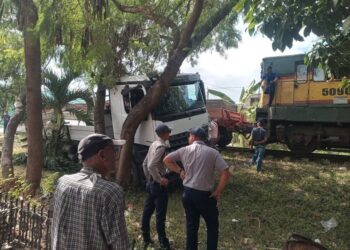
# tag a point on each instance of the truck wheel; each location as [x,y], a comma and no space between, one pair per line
[225,137]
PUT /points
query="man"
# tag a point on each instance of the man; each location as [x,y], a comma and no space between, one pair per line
[156,187]
[199,198]
[270,79]
[258,140]
[6,119]
[89,210]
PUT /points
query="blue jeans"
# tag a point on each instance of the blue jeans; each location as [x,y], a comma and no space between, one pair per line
[258,157]
[198,203]
[157,199]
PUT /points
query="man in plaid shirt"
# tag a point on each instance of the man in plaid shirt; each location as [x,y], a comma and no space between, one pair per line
[89,210]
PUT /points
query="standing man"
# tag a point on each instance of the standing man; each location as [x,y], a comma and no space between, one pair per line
[89,210]
[156,187]
[258,140]
[199,198]
[6,118]
[270,79]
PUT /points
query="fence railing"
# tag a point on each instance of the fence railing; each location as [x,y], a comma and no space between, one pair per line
[23,225]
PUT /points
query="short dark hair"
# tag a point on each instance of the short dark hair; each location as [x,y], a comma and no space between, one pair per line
[198,132]
[162,129]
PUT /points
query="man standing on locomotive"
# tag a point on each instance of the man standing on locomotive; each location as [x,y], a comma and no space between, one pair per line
[270,79]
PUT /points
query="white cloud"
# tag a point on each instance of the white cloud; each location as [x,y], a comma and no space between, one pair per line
[242,65]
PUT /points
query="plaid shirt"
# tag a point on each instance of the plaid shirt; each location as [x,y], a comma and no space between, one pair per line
[88,213]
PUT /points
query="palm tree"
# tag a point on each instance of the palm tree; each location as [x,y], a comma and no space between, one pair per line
[58,93]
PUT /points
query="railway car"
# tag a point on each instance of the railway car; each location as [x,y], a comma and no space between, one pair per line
[308,111]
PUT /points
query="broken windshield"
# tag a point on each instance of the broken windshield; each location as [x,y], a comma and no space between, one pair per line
[181,99]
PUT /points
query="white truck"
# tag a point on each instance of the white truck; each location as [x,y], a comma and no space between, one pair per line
[181,108]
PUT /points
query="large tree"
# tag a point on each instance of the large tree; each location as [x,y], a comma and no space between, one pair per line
[187,38]
[109,40]
[27,18]
[292,20]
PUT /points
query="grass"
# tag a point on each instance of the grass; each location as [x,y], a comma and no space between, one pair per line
[260,211]
[257,211]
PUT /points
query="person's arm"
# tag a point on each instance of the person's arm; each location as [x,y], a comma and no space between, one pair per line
[225,176]
[170,163]
[113,221]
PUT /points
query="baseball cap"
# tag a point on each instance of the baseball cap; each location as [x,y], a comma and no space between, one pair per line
[91,144]
[261,121]
[162,129]
[199,132]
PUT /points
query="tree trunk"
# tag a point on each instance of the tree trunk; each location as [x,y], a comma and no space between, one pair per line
[32,55]
[153,97]
[186,44]
[99,117]
[9,137]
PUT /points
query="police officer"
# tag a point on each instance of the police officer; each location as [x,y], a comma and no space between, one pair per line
[199,198]
[156,187]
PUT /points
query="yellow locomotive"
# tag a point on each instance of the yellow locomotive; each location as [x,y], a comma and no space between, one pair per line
[308,111]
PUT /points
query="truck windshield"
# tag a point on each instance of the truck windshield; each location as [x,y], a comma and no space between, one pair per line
[185,99]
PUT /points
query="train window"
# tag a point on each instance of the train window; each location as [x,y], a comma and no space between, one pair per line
[301,73]
[318,75]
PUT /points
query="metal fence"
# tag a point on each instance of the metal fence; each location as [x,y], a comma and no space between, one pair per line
[23,226]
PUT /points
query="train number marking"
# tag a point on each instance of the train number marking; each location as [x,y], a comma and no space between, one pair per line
[335,91]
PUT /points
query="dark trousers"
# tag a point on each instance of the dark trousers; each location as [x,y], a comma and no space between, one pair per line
[272,93]
[157,199]
[198,203]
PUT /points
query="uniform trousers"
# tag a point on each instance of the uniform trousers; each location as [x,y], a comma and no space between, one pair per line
[157,199]
[198,203]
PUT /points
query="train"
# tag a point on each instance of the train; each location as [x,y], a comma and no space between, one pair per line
[308,111]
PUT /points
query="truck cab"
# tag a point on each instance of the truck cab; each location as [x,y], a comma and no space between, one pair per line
[181,108]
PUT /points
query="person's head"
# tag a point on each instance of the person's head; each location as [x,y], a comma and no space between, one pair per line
[196,134]
[97,151]
[260,123]
[163,131]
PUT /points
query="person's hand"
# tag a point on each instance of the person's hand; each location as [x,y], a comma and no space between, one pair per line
[216,195]
[164,182]
[182,174]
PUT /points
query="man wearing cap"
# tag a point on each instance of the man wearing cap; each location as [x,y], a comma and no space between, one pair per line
[156,187]
[258,140]
[89,210]
[199,198]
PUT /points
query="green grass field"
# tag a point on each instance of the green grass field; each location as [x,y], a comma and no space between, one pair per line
[258,211]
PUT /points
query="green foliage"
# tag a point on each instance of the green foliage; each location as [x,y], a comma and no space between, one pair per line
[48,183]
[60,163]
[20,158]
[57,96]
[12,67]
[283,22]
[223,96]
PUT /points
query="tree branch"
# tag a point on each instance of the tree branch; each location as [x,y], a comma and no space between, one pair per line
[148,13]
[211,23]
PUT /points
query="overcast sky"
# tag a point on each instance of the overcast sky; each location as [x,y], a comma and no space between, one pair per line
[241,65]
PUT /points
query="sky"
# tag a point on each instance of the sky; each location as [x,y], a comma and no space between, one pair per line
[241,65]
